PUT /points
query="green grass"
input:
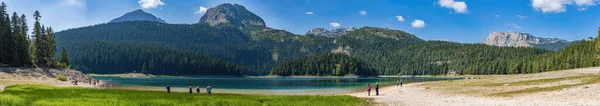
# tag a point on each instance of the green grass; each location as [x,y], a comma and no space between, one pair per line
[592,79]
[43,95]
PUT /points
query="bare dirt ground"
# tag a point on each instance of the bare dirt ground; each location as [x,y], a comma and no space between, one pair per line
[13,76]
[558,88]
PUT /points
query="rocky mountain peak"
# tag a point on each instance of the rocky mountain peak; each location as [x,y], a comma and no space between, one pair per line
[329,33]
[137,15]
[233,14]
[518,39]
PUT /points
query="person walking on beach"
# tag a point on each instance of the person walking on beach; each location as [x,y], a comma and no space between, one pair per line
[376,88]
[110,83]
[400,83]
[198,89]
[190,89]
[169,88]
[369,89]
[208,89]
[397,83]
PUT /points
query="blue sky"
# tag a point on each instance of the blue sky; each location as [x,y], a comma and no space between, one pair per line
[467,21]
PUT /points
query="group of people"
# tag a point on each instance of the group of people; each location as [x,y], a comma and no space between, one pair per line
[398,83]
[208,89]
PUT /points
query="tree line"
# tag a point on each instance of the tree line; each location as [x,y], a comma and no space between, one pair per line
[17,49]
[325,64]
[102,57]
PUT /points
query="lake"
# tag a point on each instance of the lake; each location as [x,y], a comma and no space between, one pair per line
[266,83]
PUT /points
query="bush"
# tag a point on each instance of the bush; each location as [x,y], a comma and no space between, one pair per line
[61,78]
[64,65]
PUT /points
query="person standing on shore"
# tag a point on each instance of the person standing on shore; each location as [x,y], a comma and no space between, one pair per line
[376,88]
[400,83]
[190,89]
[208,89]
[110,83]
[369,89]
[169,88]
[397,83]
[198,89]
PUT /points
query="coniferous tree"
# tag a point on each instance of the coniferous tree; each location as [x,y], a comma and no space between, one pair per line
[6,38]
[64,59]
[50,46]
[598,44]
[38,40]
[21,46]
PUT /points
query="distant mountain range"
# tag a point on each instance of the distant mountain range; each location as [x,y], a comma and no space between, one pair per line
[229,37]
[518,39]
[329,33]
[137,15]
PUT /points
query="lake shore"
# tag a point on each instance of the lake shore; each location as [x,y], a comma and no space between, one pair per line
[566,87]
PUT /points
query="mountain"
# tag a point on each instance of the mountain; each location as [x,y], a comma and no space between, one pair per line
[517,39]
[137,15]
[225,47]
[233,14]
[329,33]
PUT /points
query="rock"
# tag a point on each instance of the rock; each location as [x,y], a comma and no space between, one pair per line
[72,75]
[329,33]
[517,39]
[233,14]
[137,15]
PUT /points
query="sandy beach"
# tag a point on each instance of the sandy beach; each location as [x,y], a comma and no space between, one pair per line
[463,92]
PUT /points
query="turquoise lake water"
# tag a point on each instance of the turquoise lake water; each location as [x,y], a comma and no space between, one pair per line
[266,83]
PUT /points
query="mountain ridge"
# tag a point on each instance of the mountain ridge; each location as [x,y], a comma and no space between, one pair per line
[137,15]
[519,39]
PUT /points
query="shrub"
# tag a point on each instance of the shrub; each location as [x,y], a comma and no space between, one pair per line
[61,78]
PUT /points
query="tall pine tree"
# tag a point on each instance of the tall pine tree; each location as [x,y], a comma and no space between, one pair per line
[50,47]
[23,42]
[6,38]
[38,41]
[64,59]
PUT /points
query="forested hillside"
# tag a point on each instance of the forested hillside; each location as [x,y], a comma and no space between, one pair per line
[148,58]
[257,49]
[396,52]
[326,64]
[579,54]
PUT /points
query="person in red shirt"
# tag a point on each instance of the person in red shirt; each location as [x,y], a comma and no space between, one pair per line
[369,89]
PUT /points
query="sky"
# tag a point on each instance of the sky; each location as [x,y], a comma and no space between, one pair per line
[466,21]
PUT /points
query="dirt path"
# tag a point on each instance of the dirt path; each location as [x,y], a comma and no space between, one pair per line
[465,93]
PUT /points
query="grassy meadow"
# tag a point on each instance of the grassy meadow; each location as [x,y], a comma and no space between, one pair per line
[44,95]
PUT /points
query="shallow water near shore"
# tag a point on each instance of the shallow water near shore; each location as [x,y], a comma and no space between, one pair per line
[278,84]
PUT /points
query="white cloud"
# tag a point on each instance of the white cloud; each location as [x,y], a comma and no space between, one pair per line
[522,17]
[458,6]
[150,3]
[558,6]
[586,2]
[309,13]
[418,24]
[497,16]
[201,10]
[400,18]
[362,12]
[335,24]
